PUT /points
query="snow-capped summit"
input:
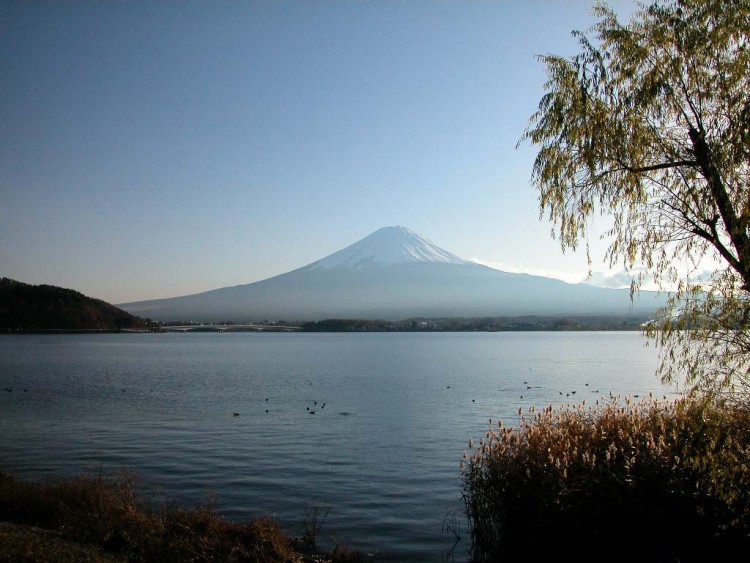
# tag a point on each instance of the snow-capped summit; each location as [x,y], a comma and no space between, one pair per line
[386,247]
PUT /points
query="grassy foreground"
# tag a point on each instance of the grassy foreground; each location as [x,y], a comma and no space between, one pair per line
[646,481]
[97,518]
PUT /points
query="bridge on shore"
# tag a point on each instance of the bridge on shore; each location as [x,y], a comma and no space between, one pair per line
[251,327]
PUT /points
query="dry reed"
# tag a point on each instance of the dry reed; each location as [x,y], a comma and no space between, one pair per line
[622,480]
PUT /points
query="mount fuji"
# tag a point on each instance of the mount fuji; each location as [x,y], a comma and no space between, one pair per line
[395,274]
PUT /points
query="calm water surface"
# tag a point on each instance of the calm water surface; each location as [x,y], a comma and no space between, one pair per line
[382,455]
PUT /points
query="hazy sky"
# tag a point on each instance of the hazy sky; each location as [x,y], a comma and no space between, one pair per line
[155,149]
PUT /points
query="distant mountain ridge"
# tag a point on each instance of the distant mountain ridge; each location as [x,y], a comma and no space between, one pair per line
[25,307]
[395,274]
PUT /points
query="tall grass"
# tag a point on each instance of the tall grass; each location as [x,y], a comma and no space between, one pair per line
[108,514]
[618,481]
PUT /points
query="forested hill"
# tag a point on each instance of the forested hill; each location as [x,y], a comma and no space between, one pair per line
[25,307]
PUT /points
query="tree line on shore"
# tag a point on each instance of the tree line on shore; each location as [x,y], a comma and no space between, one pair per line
[26,307]
[480,324]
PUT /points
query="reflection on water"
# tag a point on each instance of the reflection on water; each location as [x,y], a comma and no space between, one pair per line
[372,426]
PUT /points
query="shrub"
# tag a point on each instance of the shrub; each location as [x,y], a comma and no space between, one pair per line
[107,514]
[622,480]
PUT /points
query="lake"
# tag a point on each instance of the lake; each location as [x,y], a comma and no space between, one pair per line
[393,413]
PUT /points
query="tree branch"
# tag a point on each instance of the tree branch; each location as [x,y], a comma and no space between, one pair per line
[732,222]
[661,166]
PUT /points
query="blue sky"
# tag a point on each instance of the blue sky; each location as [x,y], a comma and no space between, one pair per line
[155,149]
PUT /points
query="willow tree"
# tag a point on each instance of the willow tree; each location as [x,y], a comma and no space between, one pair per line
[649,124]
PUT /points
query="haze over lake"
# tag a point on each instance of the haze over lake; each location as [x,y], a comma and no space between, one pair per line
[392,417]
